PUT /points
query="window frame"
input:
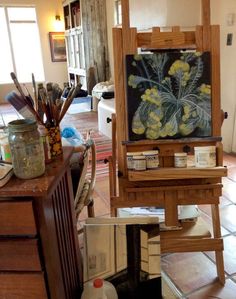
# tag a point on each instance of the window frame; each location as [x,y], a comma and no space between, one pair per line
[10,40]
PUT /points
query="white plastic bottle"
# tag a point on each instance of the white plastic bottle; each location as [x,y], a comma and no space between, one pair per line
[99,289]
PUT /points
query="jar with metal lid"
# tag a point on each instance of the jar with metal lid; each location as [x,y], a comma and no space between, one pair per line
[139,163]
[130,159]
[26,149]
[152,159]
[180,160]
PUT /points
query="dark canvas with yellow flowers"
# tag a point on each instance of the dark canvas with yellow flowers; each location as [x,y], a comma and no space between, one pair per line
[168,95]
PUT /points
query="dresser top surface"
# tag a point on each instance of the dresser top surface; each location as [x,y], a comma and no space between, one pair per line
[39,186]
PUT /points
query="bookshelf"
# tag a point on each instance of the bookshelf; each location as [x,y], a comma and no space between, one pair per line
[86,40]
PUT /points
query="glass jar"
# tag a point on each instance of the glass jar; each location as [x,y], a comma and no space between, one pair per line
[152,159]
[139,163]
[26,149]
[180,160]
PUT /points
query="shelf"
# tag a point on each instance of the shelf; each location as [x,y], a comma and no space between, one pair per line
[171,173]
[190,230]
[186,140]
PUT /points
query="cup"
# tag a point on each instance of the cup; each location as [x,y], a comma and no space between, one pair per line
[54,138]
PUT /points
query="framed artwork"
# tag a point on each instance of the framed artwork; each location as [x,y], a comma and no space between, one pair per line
[57,46]
[168,95]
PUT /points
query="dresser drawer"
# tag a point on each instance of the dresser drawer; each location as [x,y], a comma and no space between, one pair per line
[17,218]
[19,255]
[22,286]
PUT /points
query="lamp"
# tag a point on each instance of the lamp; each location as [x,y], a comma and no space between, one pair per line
[58,18]
[58,24]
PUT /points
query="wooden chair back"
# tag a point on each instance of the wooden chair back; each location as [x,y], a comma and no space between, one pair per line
[87,180]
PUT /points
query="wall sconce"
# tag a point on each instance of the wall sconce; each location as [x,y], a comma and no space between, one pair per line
[58,18]
[58,24]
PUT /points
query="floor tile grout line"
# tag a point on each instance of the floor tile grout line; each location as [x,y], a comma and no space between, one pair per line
[229,232]
[171,284]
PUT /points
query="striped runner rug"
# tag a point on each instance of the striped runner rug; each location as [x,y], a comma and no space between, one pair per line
[88,121]
[103,150]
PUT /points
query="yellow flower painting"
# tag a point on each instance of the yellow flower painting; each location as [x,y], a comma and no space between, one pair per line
[169,95]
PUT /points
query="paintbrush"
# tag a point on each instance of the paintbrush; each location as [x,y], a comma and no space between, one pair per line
[35,93]
[17,84]
[28,95]
[69,100]
[19,104]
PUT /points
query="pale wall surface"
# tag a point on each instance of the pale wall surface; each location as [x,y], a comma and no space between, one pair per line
[188,13]
[220,12]
[46,11]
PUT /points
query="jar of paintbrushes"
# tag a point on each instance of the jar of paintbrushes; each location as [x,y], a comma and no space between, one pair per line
[47,107]
[54,109]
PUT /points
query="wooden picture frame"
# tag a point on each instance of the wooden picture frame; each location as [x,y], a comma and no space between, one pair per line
[57,46]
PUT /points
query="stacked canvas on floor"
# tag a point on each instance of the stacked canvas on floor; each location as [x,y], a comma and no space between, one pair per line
[125,252]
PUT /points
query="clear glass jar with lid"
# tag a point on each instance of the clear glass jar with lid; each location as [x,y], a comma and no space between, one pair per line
[26,149]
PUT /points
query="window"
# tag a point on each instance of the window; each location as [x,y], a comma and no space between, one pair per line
[118,13]
[20,45]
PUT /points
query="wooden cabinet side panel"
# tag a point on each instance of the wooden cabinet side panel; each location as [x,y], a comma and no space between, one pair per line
[54,217]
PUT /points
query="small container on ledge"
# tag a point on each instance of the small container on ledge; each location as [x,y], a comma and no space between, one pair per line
[180,160]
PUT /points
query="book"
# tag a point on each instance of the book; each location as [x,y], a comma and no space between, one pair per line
[125,252]
[6,172]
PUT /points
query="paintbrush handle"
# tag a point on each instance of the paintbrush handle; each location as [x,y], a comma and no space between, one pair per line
[17,84]
[68,101]
[36,104]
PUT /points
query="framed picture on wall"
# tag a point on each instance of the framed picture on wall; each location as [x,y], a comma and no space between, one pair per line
[57,46]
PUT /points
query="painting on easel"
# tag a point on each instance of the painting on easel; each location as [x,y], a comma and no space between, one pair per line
[168,95]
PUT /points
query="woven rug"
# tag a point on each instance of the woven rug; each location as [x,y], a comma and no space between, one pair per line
[103,150]
[88,121]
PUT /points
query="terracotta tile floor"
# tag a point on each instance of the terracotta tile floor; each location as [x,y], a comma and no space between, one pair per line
[193,275]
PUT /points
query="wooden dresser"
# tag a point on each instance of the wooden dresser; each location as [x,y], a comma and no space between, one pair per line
[39,253]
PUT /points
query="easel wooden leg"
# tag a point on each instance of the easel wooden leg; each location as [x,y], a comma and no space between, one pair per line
[220,266]
[217,234]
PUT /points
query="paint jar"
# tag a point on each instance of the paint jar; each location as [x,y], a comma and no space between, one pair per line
[26,149]
[180,160]
[55,143]
[129,157]
[205,156]
[152,159]
[139,163]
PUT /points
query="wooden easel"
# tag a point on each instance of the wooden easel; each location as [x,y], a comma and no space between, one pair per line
[169,187]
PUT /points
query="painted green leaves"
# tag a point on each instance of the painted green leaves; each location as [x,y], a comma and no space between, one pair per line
[169,95]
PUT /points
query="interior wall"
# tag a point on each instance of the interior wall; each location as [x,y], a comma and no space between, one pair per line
[46,11]
[221,11]
[164,13]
